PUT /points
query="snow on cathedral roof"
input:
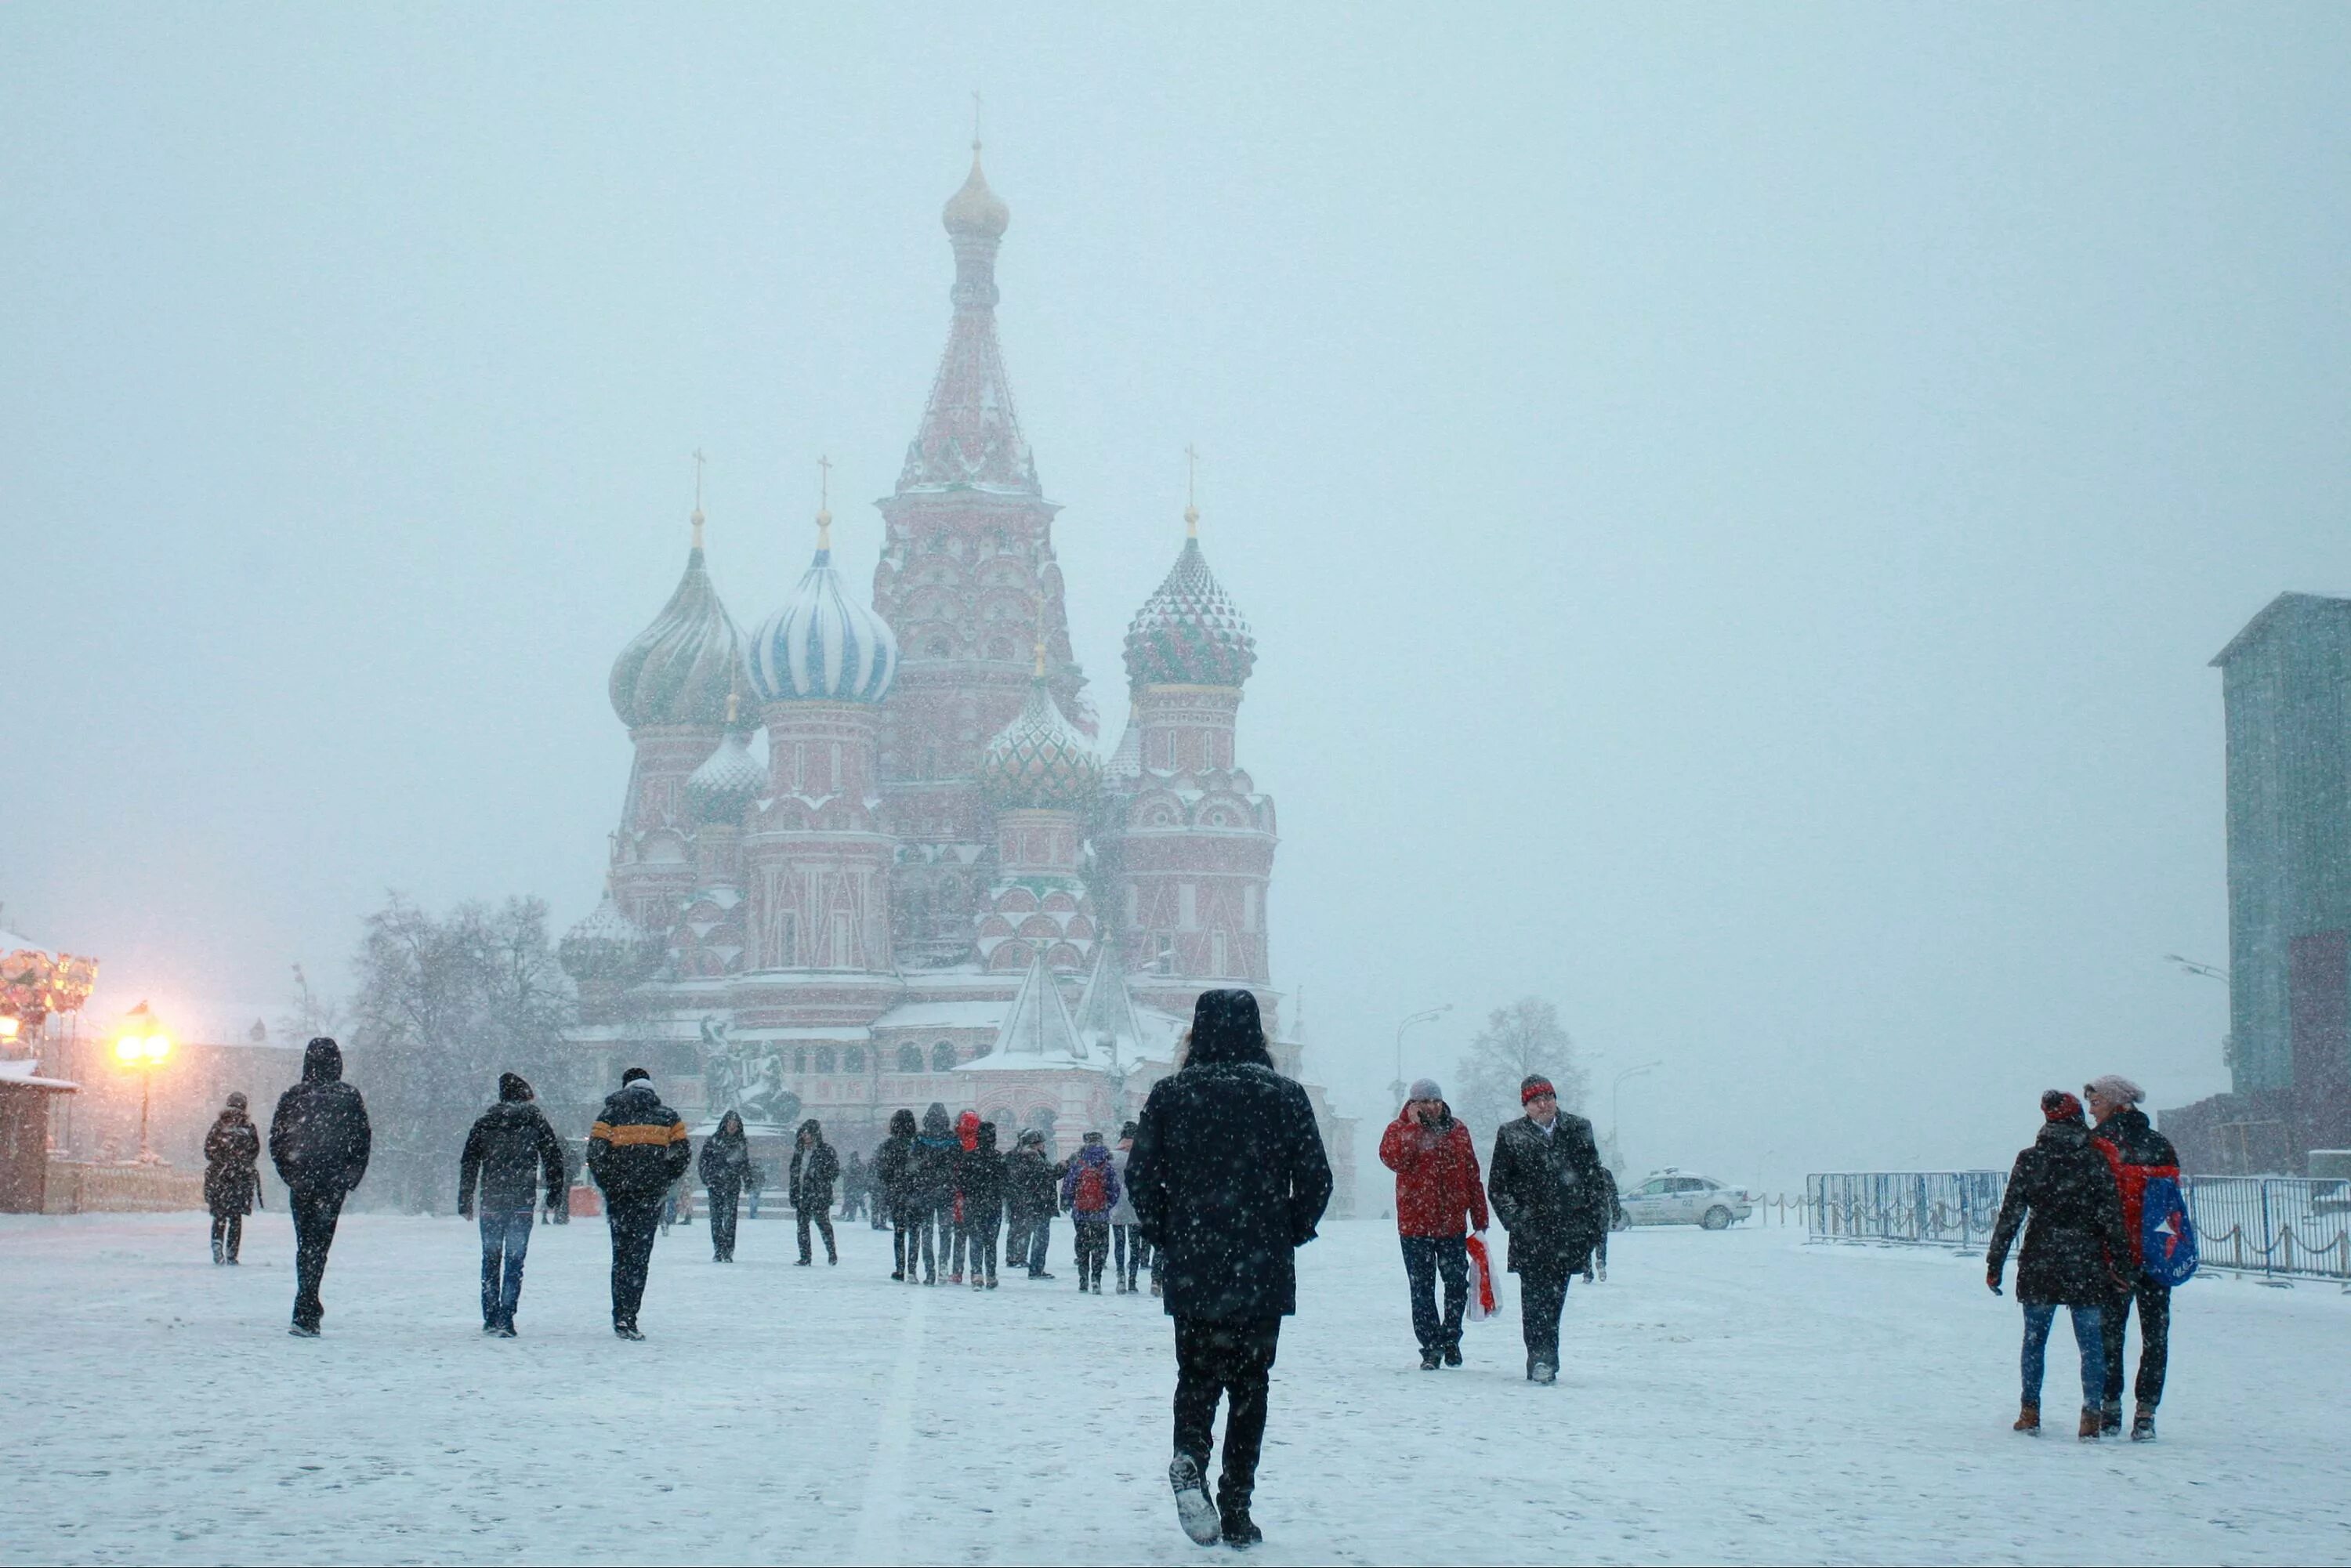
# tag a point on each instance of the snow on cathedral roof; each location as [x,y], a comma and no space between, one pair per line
[683,667]
[1106,1012]
[970,436]
[1036,1033]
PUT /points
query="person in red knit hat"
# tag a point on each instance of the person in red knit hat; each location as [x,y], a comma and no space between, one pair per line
[1437,1190]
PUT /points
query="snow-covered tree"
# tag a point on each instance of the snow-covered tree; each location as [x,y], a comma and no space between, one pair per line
[1523,1038]
[445,1006]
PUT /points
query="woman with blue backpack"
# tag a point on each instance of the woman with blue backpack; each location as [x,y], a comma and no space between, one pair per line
[2073,1252]
[2162,1245]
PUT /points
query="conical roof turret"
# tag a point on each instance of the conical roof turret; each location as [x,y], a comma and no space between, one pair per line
[970,437]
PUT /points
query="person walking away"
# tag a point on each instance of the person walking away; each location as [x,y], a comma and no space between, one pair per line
[726,1167]
[1088,1191]
[1437,1188]
[1126,1247]
[933,1177]
[232,1175]
[509,1150]
[1599,1254]
[815,1169]
[2137,1155]
[754,1180]
[638,1151]
[979,1182]
[893,1177]
[1029,1202]
[1230,1179]
[966,1129]
[853,1190]
[2073,1255]
[1545,1183]
[319,1141]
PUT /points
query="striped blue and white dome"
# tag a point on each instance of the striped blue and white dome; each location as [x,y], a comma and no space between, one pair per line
[823,646]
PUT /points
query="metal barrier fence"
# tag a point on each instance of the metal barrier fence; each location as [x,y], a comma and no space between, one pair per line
[2279,1226]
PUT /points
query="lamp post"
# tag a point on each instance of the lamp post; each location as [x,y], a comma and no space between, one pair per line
[1397,1088]
[141,1046]
[1615,1092]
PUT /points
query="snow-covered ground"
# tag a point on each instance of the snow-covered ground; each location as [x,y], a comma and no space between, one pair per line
[1727,1397]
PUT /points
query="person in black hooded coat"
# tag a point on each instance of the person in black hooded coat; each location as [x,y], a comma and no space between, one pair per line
[815,1170]
[510,1152]
[1230,1179]
[232,1177]
[2073,1254]
[726,1166]
[931,1178]
[893,1183]
[319,1141]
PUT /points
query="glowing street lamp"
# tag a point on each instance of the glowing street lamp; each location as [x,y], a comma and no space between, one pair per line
[140,1047]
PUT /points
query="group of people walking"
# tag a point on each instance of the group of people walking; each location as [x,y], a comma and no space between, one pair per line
[2097,1198]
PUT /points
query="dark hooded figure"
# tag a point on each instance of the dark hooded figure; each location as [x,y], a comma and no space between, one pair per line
[725,1168]
[2073,1255]
[1230,1179]
[319,1141]
[933,1180]
[979,1180]
[1028,1203]
[232,1177]
[815,1169]
[511,1152]
[894,1178]
[636,1151]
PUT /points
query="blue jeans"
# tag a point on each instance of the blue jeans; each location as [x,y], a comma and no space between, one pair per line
[1423,1257]
[2089,1338]
[505,1238]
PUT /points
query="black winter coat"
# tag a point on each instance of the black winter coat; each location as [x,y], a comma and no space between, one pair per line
[930,1175]
[979,1177]
[726,1164]
[319,1139]
[232,1165]
[1028,1183]
[638,1147]
[509,1149]
[894,1167]
[1550,1191]
[1230,1177]
[814,1171]
[2076,1254]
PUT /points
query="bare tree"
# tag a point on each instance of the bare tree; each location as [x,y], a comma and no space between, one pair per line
[1521,1038]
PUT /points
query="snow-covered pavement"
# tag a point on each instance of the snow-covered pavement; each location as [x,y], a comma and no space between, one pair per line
[1727,1397]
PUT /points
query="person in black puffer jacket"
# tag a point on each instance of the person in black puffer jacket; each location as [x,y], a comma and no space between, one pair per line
[815,1169]
[319,1141]
[893,1174]
[2073,1251]
[1029,1199]
[232,1177]
[2137,1155]
[931,1178]
[636,1151]
[726,1167]
[979,1179]
[1231,1179]
[511,1152]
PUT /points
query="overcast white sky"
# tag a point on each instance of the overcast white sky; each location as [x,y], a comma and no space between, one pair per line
[1736,503]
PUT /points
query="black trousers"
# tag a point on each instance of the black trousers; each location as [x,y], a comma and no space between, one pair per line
[228,1230]
[315,1214]
[1126,1254]
[823,1222]
[979,1234]
[1232,1360]
[633,1226]
[722,1222]
[1542,1295]
[2154,1301]
[1093,1250]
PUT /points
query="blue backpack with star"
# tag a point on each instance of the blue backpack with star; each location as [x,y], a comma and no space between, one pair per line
[2167,1235]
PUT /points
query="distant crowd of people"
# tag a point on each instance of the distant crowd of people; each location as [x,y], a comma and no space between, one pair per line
[1212,1190]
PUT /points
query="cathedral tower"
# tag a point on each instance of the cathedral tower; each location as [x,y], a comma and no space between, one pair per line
[968,579]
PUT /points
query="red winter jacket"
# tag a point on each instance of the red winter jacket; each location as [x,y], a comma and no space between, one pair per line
[1437,1178]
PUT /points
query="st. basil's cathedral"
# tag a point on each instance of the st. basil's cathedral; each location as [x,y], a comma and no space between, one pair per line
[933,887]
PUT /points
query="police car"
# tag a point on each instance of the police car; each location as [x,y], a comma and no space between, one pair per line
[1684,1198]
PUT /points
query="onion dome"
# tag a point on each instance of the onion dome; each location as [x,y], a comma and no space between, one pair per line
[607,947]
[729,779]
[1190,632]
[680,669]
[1039,759]
[823,646]
[975,209]
[1125,764]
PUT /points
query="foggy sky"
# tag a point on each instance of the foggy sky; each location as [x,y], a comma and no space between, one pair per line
[1736,505]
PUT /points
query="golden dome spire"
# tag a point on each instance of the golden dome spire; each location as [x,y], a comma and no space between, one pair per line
[1038,673]
[697,497]
[1191,492]
[824,503]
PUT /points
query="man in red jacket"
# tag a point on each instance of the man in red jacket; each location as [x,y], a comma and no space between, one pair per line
[1437,1186]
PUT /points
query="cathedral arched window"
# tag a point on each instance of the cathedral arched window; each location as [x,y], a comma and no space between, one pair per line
[853,1059]
[942,1058]
[799,1059]
[910,1058]
[824,1059]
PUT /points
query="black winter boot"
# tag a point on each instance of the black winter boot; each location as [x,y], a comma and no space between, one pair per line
[1238,1529]
[1194,1510]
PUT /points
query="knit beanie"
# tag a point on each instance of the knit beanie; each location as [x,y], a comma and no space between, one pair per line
[512,1087]
[1535,1083]
[2059,1106]
[633,1075]
[1425,1089]
[2114,1086]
